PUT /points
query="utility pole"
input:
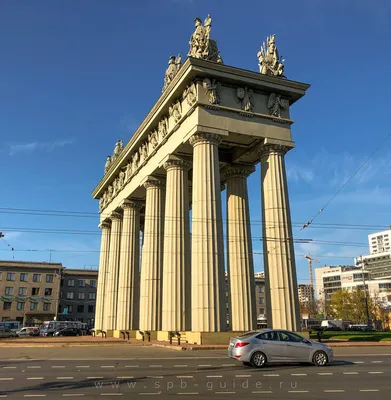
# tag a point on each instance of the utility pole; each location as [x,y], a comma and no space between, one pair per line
[312,289]
[366,291]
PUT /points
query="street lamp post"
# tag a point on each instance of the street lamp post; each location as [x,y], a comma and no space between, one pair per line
[366,291]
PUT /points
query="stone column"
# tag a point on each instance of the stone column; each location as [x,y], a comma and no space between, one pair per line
[152,257]
[239,250]
[114,258]
[102,276]
[129,270]
[176,306]
[279,258]
[207,273]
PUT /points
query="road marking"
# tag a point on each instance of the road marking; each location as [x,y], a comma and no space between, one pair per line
[94,377]
[125,377]
[334,391]
[183,393]
[350,373]
[64,377]
[214,376]
[271,374]
[82,366]
[262,391]
[154,377]
[36,377]
[34,366]
[8,368]
[155,366]
[3,395]
[225,392]
[377,362]
[375,372]
[134,366]
[299,374]
[358,362]
[107,366]
[242,376]
[325,373]
[180,365]
[229,365]
[204,365]
[6,379]
[297,391]
[111,394]
[58,366]
[34,395]
[72,394]
[369,390]
[184,376]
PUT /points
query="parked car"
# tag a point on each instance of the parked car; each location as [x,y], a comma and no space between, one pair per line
[28,331]
[68,332]
[7,333]
[270,345]
[361,328]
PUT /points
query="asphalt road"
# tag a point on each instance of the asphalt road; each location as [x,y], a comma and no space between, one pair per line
[358,373]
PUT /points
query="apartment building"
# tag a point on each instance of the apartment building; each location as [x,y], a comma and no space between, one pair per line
[306,294]
[78,296]
[29,291]
[379,242]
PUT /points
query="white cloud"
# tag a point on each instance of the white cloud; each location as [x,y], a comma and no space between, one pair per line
[34,146]
[297,173]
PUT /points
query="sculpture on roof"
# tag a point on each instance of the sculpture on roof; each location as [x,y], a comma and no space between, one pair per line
[270,63]
[174,63]
[246,98]
[275,103]
[212,88]
[108,163]
[201,45]
[119,146]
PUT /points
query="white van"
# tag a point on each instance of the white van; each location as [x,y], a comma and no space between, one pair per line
[28,331]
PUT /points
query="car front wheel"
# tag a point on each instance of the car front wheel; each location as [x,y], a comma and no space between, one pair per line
[258,359]
[320,359]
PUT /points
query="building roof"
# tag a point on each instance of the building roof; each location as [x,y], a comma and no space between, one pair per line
[74,272]
[30,264]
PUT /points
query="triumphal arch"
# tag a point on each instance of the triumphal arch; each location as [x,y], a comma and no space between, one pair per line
[162,272]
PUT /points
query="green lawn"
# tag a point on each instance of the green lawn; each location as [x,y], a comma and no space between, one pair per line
[355,336]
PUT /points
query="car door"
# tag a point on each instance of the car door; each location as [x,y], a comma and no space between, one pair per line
[270,345]
[295,349]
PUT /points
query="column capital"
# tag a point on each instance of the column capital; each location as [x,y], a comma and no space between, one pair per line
[152,182]
[201,137]
[238,171]
[176,162]
[115,215]
[104,224]
[131,204]
[269,148]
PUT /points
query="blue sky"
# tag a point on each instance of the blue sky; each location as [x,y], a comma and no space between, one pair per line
[78,75]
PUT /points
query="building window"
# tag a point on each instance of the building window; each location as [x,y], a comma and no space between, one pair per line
[90,321]
[36,277]
[49,278]
[80,309]
[9,291]
[70,309]
[35,291]
[71,283]
[48,291]
[33,306]
[261,289]
[24,277]
[261,300]
[20,305]
[91,309]
[70,295]
[92,283]
[47,306]
[92,296]
[81,296]
[262,311]
[7,305]
[10,276]
[82,283]
[22,291]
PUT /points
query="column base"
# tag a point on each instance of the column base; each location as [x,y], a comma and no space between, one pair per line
[200,337]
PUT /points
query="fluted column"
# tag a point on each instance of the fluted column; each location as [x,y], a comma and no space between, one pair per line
[152,257]
[176,306]
[114,258]
[239,250]
[207,272]
[279,257]
[129,278]
[102,276]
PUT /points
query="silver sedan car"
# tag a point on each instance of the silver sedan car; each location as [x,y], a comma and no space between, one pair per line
[275,345]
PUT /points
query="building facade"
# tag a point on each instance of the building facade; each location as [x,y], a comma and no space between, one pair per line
[78,296]
[29,291]
[306,294]
[210,127]
[380,242]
